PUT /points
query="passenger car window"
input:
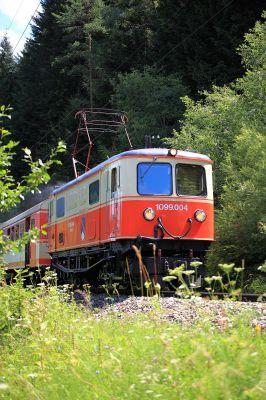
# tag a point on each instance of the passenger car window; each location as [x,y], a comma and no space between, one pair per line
[94,192]
[21,230]
[60,207]
[51,209]
[155,179]
[16,232]
[190,180]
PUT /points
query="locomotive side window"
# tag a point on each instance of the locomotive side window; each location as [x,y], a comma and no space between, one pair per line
[94,192]
[155,179]
[114,180]
[190,180]
[60,207]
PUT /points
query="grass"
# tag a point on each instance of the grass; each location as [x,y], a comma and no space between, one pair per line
[54,349]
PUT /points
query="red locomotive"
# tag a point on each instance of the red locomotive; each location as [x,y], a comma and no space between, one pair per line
[158,199]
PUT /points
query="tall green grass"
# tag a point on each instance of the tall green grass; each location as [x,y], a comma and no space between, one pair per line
[55,349]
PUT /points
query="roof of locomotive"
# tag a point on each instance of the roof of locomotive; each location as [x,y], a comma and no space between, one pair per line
[153,152]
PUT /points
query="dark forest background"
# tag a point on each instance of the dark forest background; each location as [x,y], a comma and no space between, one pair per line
[145,55]
[183,70]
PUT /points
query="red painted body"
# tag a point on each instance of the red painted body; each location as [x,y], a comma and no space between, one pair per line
[121,216]
[35,254]
[117,213]
[124,219]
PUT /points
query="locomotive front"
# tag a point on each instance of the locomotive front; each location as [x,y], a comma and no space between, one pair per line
[166,205]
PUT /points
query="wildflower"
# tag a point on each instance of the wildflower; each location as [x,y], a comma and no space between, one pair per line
[216,278]
[169,278]
[32,376]
[182,287]
[258,328]
[147,285]
[177,271]
[262,267]
[227,267]
[174,361]
[238,269]
[97,372]
[188,272]
[195,264]
[4,386]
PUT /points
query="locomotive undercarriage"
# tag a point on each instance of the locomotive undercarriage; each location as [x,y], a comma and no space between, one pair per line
[119,261]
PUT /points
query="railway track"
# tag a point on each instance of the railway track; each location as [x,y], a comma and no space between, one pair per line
[244,297]
[173,309]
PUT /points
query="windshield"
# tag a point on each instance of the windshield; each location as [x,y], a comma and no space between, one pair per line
[155,179]
[190,180]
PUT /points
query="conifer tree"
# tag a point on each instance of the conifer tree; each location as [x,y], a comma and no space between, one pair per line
[40,94]
[229,124]
[7,72]
[198,39]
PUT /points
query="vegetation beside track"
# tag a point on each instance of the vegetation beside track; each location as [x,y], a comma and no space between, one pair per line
[52,348]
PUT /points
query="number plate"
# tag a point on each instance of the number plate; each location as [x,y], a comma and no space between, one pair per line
[171,207]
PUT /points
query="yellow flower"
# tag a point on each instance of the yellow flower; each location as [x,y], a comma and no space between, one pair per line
[239,269]
[169,278]
[227,267]
[177,271]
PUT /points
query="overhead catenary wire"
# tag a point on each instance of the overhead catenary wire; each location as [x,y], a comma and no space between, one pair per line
[16,13]
[173,48]
[128,58]
[23,33]
[192,33]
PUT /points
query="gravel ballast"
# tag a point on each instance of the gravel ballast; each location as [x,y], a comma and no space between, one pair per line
[181,311]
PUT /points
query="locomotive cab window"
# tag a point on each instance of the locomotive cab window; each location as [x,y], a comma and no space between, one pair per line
[155,179]
[190,180]
[94,192]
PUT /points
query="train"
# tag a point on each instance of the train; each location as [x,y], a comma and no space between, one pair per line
[156,200]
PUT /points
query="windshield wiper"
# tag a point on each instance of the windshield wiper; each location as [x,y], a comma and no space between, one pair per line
[148,168]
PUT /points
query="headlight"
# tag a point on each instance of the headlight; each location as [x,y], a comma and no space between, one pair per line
[149,214]
[172,152]
[200,215]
